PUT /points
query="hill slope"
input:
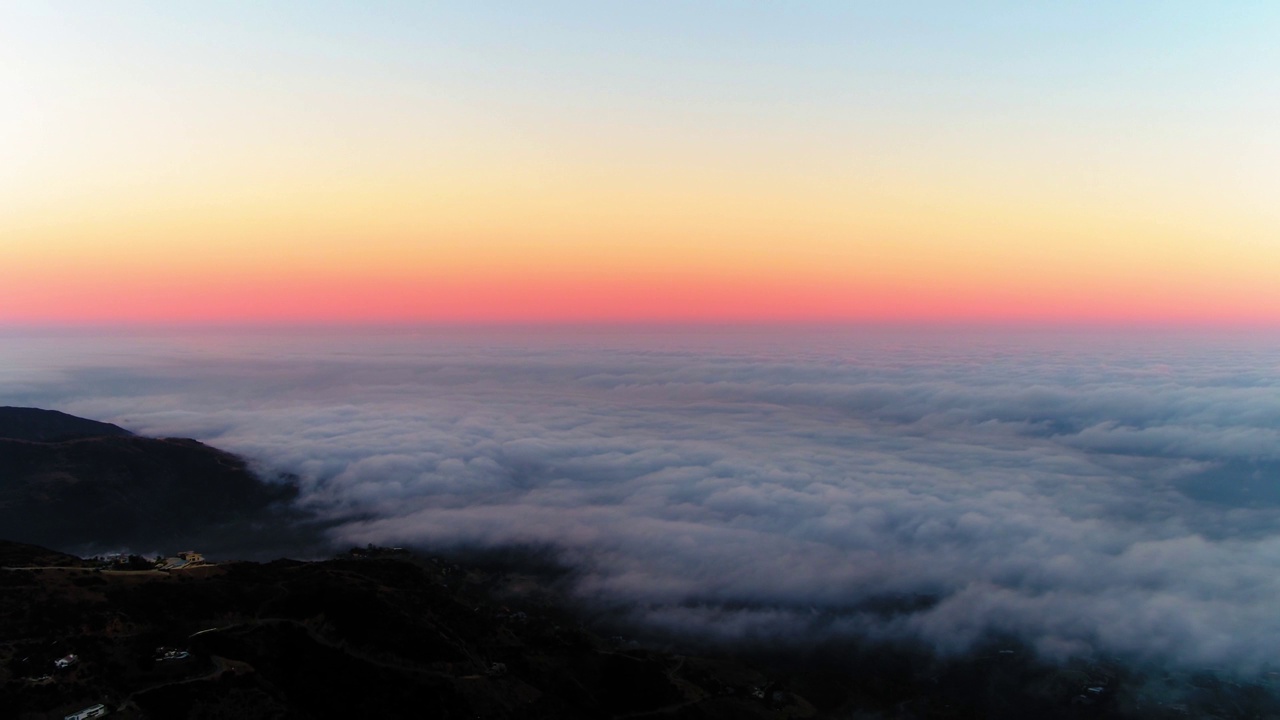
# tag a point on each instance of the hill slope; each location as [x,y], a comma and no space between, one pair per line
[363,635]
[99,487]
[38,425]
[383,633]
[13,554]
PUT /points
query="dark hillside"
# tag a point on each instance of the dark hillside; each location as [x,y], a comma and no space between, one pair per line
[383,633]
[110,489]
[370,634]
[14,554]
[37,425]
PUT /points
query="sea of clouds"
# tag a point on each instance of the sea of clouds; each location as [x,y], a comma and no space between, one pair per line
[1087,491]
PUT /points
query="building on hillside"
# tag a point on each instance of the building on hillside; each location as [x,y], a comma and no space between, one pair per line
[90,712]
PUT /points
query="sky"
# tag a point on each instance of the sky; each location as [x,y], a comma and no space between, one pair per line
[324,162]
[1090,492]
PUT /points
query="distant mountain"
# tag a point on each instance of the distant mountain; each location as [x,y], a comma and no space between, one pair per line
[13,554]
[81,485]
[37,425]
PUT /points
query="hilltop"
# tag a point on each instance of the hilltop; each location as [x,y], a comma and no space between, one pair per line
[39,425]
[80,485]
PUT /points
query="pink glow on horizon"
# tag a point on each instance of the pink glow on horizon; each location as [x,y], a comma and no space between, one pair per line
[531,300]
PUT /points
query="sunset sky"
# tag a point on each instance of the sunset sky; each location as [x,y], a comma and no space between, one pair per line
[645,161]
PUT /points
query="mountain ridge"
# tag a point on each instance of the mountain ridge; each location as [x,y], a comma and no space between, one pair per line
[78,485]
[41,425]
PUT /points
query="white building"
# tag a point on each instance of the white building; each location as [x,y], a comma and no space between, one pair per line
[90,712]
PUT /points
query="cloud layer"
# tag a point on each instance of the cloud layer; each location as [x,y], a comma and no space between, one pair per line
[1088,492]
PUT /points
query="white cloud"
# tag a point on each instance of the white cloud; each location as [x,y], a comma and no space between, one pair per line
[1059,488]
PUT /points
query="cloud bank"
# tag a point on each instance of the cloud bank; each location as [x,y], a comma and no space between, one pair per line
[1088,492]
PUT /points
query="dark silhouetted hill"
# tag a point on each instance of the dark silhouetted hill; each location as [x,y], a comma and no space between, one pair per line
[37,425]
[14,554]
[84,486]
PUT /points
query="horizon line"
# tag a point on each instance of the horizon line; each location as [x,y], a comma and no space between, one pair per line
[654,323]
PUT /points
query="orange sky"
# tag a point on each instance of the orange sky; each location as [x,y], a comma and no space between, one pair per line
[232,164]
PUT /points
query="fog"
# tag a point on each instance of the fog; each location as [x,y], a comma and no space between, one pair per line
[1086,491]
